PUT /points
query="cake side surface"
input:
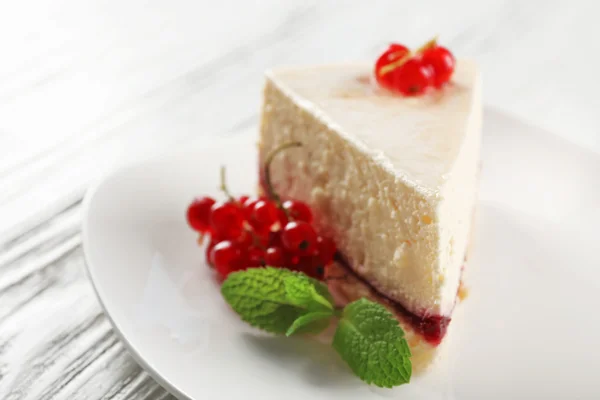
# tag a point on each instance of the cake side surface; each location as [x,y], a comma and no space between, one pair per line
[458,198]
[373,216]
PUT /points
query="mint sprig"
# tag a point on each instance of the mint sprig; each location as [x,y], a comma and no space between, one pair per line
[280,301]
[313,323]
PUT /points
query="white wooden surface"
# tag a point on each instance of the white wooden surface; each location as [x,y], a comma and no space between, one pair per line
[88,85]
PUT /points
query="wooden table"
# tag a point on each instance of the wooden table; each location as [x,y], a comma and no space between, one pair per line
[88,85]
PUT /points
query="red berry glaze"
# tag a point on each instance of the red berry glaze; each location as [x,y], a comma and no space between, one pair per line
[227,257]
[298,211]
[413,77]
[393,53]
[198,214]
[300,238]
[226,221]
[441,61]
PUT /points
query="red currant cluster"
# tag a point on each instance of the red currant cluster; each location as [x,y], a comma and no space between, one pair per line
[412,73]
[246,233]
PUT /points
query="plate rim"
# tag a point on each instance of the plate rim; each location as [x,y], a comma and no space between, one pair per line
[86,204]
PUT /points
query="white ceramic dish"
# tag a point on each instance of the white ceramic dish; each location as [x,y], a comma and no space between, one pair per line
[529,329]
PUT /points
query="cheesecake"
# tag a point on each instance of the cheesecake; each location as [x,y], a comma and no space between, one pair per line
[391,179]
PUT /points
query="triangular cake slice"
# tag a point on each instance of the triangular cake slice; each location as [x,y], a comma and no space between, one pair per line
[391,179]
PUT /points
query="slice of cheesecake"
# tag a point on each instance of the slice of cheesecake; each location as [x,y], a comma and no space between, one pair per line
[391,179]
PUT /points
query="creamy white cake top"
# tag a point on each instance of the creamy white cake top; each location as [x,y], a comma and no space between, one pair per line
[403,133]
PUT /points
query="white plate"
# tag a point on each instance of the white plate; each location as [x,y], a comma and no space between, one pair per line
[529,328]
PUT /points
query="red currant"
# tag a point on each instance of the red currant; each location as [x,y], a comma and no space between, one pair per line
[413,77]
[248,206]
[227,257]
[293,262]
[226,221]
[256,257]
[264,214]
[299,237]
[318,272]
[261,238]
[275,257]
[326,250]
[393,53]
[298,210]
[275,239]
[198,214]
[245,239]
[208,252]
[442,63]
[282,219]
[311,266]
[398,47]
[243,199]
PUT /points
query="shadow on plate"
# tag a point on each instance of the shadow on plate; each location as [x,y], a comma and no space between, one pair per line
[316,362]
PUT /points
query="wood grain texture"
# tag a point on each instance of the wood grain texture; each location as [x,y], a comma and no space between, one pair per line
[88,86]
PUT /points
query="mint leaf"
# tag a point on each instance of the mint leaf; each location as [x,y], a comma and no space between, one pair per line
[272,299]
[313,323]
[258,295]
[369,339]
[301,291]
[321,289]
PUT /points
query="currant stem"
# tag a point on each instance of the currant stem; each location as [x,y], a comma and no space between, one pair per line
[223,186]
[428,45]
[270,189]
[386,69]
[255,239]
